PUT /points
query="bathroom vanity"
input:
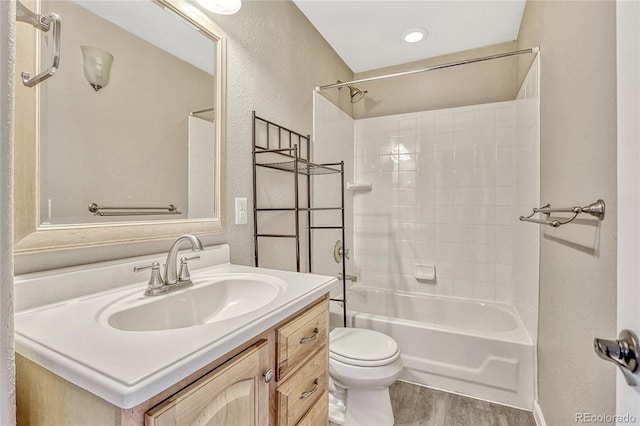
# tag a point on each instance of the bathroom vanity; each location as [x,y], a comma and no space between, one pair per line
[81,361]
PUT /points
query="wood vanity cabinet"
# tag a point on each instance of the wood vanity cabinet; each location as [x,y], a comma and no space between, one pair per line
[234,394]
[230,391]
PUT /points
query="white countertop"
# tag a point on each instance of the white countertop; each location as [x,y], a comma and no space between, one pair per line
[71,338]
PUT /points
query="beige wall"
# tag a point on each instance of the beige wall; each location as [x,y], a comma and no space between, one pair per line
[578,165]
[275,59]
[479,83]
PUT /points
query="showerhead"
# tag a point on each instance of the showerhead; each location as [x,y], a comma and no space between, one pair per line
[356,94]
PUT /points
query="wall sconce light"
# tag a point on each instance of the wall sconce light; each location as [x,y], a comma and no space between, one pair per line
[96,64]
[221,7]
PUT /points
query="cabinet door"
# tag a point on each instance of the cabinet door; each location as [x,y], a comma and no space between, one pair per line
[233,394]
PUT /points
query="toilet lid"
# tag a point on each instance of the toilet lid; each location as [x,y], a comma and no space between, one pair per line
[359,346]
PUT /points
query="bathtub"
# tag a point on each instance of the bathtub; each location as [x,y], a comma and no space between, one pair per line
[479,349]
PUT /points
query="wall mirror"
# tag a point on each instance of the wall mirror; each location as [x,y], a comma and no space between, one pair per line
[125,142]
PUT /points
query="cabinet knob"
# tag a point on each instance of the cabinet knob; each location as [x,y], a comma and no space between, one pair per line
[268,375]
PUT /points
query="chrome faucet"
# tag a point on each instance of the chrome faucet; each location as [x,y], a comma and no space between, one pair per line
[173,279]
[171,267]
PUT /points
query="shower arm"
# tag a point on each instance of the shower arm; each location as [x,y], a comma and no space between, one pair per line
[431,68]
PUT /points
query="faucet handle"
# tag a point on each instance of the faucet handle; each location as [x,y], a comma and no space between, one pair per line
[155,281]
[183,274]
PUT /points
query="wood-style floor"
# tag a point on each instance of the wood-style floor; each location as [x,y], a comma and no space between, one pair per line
[419,406]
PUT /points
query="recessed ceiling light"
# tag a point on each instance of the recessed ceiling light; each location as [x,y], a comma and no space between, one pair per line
[414,35]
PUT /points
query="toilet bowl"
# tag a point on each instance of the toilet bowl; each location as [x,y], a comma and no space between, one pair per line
[362,365]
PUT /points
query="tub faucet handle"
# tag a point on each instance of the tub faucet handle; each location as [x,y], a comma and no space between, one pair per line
[339,251]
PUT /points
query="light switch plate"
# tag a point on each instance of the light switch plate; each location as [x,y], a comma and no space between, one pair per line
[241,211]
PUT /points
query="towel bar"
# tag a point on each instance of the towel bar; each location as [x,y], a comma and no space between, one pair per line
[596,209]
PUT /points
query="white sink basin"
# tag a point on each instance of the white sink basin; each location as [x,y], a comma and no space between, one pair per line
[63,320]
[212,299]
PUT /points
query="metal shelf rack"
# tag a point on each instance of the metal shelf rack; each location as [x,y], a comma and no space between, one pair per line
[286,152]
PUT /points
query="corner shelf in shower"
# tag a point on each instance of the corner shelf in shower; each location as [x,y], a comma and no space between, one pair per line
[281,152]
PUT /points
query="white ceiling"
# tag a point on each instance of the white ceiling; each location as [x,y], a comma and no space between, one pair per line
[368,34]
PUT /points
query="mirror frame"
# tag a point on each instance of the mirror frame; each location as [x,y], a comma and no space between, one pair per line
[29,236]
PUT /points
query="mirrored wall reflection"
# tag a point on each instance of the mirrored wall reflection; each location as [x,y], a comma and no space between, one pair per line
[128,119]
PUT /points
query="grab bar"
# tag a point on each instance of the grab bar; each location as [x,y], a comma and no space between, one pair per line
[137,211]
[596,209]
[42,23]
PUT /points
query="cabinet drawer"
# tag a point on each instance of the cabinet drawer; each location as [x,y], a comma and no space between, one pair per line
[301,337]
[300,391]
[318,414]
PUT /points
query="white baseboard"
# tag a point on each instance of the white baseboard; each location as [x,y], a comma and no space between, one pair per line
[537,414]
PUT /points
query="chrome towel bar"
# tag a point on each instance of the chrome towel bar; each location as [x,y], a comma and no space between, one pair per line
[132,211]
[595,209]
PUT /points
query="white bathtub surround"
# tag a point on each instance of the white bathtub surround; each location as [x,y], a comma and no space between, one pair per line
[332,142]
[448,187]
[475,348]
[63,317]
[526,236]
[442,195]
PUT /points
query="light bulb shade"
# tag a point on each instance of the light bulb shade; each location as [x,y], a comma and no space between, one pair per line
[96,65]
[221,7]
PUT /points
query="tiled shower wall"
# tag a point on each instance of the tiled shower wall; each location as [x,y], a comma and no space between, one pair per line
[448,187]
[526,236]
[443,195]
[332,143]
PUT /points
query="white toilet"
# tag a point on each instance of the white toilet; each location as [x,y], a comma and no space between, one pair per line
[362,365]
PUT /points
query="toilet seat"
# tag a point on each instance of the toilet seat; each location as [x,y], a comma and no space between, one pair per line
[362,347]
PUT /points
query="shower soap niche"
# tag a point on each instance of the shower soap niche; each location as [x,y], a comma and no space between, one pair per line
[425,272]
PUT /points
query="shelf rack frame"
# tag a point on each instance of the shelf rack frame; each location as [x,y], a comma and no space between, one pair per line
[294,161]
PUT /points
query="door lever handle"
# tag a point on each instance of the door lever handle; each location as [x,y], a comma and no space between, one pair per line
[622,352]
